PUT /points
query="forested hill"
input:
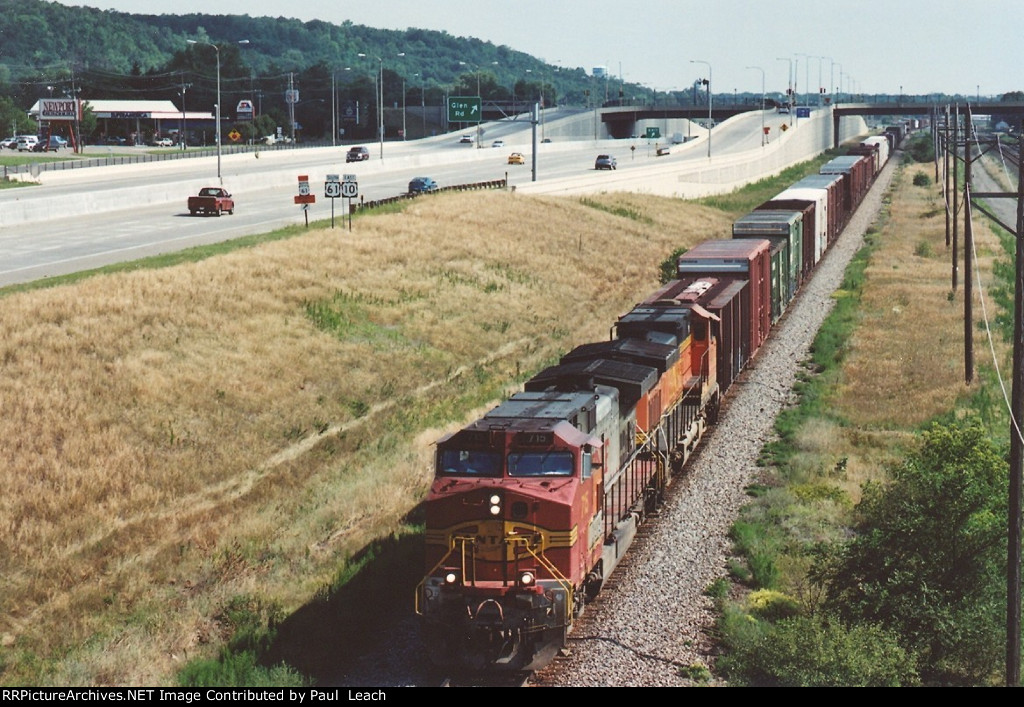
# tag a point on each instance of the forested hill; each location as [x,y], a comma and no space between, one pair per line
[45,43]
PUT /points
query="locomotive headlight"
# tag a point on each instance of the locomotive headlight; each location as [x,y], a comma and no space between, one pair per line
[495,500]
[527,579]
[495,510]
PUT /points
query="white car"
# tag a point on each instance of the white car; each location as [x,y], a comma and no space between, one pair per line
[164,142]
[498,143]
[26,143]
[9,142]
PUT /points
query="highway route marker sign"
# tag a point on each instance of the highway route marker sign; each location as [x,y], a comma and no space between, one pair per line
[350,186]
[305,196]
[332,187]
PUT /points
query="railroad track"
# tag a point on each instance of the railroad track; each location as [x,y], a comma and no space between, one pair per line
[516,679]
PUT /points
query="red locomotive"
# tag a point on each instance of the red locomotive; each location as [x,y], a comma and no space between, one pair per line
[534,504]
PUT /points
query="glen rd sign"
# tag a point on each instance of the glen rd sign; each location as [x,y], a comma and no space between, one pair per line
[464,109]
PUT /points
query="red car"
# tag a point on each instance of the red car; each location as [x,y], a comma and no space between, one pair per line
[211,200]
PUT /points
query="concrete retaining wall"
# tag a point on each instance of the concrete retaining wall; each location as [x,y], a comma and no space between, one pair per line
[721,174]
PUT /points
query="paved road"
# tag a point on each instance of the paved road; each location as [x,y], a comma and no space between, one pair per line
[77,219]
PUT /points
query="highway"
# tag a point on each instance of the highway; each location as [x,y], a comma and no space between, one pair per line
[86,218]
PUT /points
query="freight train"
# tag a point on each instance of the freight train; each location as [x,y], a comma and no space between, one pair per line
[533,505]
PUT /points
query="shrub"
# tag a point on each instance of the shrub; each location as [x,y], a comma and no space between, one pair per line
[920,148]
[926,560]
[669,267]
[814,652]
[922,180]
[772,605]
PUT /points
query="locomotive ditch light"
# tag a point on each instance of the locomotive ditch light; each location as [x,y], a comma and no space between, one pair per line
[527,579]
[450,578]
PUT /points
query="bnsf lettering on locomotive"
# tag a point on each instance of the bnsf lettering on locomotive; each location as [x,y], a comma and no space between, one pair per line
[534,438]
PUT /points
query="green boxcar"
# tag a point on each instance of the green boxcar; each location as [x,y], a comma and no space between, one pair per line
[784,229]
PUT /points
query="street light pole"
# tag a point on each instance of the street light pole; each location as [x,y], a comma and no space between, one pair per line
[480,99]
[380,115]
[762,101]
[217,50]
[832,80]
[708,64]
[403,100]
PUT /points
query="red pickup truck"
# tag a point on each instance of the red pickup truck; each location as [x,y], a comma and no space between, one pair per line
[211,200]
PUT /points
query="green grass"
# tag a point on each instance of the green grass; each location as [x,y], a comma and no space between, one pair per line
[746,198]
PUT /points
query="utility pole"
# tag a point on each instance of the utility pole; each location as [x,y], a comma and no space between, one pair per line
[968,251]
[956,187]
[1016,462]
[1013,540]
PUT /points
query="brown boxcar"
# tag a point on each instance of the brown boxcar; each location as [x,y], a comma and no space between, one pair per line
[727,301]
[860,172]
[745,259]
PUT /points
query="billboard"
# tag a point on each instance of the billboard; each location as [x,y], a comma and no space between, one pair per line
[60,109]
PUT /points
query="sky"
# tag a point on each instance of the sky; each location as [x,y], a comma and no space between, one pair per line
[863,46]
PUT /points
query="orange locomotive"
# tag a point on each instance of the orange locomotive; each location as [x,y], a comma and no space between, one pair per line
[534,504]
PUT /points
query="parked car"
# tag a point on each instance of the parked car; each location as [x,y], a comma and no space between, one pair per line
[516,158]
[357,154]
[54,143]
[498,143]
[26,143]
[422,185]
[163,142]
[466,140]
[9,142]
[605,162]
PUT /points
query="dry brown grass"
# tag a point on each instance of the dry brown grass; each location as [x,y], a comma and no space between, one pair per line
[173,438]
[905,364]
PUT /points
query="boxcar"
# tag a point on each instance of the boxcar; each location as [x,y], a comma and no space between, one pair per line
[737,260]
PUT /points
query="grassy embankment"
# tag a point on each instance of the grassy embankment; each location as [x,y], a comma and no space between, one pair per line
[887,362]
[194,449]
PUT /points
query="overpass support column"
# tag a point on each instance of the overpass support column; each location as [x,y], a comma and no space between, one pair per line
[835,130]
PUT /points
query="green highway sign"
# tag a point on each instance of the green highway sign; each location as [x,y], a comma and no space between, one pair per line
[464,109]
[653,133]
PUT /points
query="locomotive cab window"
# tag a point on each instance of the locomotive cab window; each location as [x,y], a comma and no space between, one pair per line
[469,462]
[540,464]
